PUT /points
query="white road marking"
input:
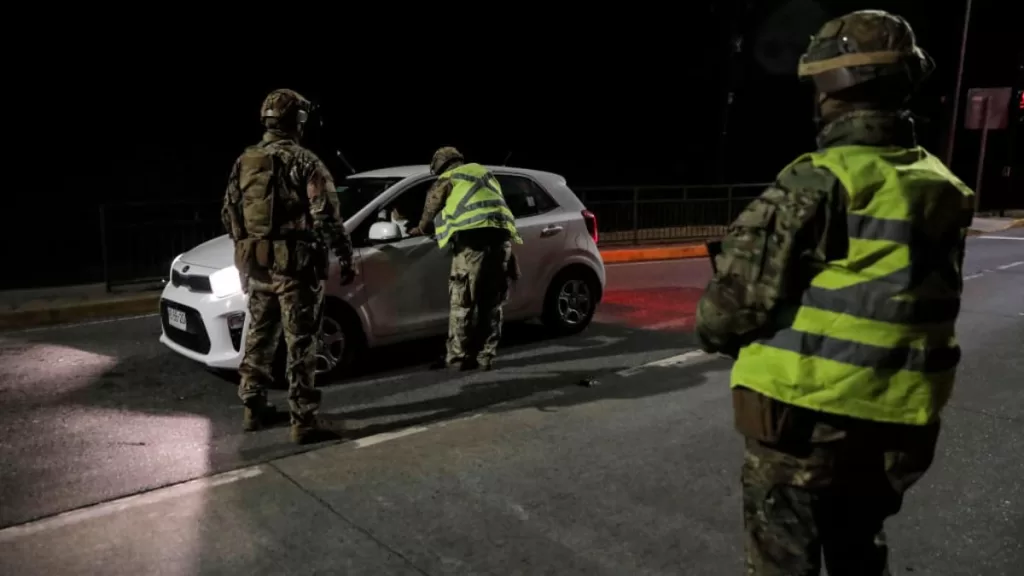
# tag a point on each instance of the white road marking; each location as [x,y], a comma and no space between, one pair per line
[1001,237]
[114,506]
[648,262]
[379,438]
[670,361]
[1011,265]
[674,323]
[80,324]
[973,276]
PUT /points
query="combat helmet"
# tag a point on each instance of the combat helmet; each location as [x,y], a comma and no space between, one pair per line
[443,157]
[285,109]
[863,46]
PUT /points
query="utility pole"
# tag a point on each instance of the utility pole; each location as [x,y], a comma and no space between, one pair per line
[955,116]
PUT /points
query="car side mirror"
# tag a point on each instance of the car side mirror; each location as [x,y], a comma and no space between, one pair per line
[383,232]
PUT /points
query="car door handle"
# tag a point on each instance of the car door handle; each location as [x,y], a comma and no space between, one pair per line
[550,231]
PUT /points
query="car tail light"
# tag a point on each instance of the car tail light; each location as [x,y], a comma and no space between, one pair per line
[591,220]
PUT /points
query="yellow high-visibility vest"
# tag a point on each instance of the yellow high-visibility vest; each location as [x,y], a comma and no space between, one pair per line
[874,334]
[475,201]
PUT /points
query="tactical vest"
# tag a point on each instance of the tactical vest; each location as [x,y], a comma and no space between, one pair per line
[873,336]
[274,216]
[475,201]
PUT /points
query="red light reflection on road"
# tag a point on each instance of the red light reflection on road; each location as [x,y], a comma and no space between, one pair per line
[671,309]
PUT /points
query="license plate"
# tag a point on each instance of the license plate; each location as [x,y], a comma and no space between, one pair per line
[176,318]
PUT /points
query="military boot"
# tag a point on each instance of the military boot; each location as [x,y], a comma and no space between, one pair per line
[317,430]
[261,417]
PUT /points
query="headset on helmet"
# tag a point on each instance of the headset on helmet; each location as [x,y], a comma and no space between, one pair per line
[284,105]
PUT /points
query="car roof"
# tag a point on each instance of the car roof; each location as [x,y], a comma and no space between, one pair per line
[424,169]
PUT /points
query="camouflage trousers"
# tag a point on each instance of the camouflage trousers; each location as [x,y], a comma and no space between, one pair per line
[477,287]
[829,494]
[292,306]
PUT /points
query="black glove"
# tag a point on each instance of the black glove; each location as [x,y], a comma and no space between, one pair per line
[346,275]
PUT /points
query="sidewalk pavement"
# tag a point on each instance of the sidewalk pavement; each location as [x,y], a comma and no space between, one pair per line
[67,304]
[988,225]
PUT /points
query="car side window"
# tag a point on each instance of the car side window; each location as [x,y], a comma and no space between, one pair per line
[524,197]
[406,209]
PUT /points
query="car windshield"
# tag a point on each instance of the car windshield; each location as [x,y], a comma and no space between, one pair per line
[355,193]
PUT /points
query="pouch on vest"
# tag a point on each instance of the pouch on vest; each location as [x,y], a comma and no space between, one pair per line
[258,181]
[262,254]
[761,418]
[746,251]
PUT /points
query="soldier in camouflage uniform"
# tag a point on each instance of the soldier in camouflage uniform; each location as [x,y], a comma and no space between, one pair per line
[281,209]
[482,262]
[834,259]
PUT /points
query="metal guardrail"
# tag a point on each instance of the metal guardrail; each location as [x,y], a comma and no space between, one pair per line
[140,239]
[647,214]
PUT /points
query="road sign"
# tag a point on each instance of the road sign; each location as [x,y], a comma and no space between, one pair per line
[988,108]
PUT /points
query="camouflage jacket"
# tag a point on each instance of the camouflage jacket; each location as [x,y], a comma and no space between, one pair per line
[774,248]
[436,198]
[306,171]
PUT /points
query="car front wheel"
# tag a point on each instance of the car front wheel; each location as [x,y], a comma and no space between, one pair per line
[336,349]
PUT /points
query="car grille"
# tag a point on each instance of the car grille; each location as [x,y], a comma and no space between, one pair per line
[196,338]
[194,283]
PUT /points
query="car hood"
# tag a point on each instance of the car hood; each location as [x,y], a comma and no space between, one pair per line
[217,253]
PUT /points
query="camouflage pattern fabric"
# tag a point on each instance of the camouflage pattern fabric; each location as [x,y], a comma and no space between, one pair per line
[478,286]
[318,213]
[828,494]
[777,244]
[436,198]
[444,159]
[863,46]
[282,304]
[286,194]
[830,491]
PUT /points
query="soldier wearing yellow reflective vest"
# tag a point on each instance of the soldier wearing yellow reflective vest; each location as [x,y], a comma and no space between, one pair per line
[478,226]
[837,291]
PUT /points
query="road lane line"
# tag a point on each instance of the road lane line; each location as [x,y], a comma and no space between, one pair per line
[1008,266]
[648,262]
[674,323]
[121,504]
[1001,237]
[80,324]
[386,436]
[973,276]
[676,360]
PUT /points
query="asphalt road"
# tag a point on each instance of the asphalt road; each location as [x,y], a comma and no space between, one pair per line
[103,410]
[518,471]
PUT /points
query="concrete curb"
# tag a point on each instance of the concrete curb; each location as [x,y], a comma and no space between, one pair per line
[1018,223]
[652,253]
[79,311]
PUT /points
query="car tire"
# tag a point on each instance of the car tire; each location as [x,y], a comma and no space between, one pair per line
[571,300]
[342,338]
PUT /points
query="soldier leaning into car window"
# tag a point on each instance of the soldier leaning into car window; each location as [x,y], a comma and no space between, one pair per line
[476,222]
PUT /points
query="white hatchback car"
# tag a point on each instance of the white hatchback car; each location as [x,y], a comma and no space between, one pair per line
[401,292]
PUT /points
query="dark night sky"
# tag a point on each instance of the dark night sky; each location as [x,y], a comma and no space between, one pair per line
[158,112]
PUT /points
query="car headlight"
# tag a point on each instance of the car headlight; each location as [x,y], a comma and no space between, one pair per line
[173,262]
[225,282]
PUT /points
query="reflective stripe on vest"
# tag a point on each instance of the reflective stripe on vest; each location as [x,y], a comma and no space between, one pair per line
[874,335]
[476,201]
